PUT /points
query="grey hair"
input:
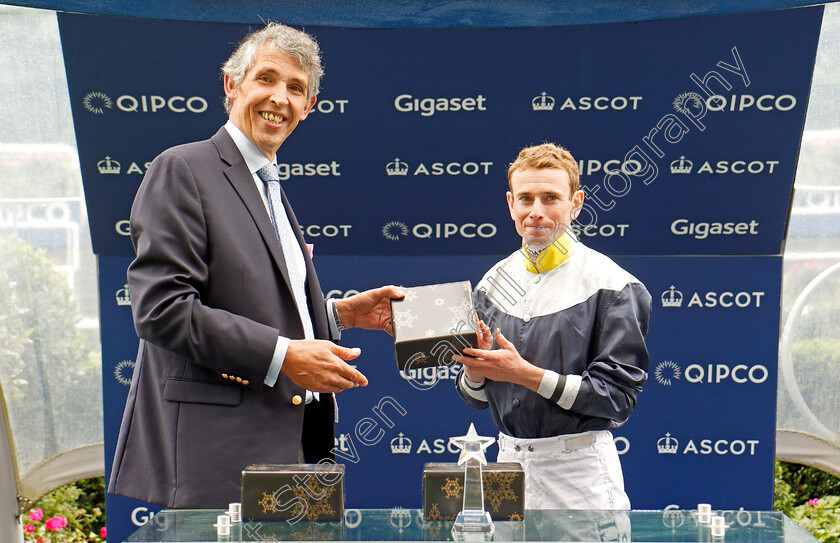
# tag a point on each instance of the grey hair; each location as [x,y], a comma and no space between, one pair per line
[297,44]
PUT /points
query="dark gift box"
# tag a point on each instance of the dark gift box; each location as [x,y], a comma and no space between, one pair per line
[293,492]
[443,490]
[432,323]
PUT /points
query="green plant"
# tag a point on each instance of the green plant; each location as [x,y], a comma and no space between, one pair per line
[73,513]
[821,517]
[806,483]
[810,497]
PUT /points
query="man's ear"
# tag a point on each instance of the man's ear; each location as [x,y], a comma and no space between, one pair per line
[308,108]
[510,205]
[577,205]
[230,88]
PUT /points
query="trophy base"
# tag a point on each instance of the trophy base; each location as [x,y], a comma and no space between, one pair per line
[473,526]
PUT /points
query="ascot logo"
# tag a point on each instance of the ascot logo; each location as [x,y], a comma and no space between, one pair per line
[327,230]
[123,296]
[400,445]
[396,168]
[400,168]
[683,166]
[123,371]
[108,166]
[97,102]
[394,230]
[545,102]
[721,447]
[329,106]
[674,298]
[603,230]
[667,445]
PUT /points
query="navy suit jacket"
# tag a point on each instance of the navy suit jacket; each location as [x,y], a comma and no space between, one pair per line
[210,294]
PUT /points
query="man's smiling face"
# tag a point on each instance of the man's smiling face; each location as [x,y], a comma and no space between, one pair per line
[270,100]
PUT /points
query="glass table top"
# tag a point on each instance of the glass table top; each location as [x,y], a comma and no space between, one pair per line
[197,526]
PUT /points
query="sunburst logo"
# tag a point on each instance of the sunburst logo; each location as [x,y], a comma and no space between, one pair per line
[97,102]
[394,229]
[666,371]
[689,103]
[123,371]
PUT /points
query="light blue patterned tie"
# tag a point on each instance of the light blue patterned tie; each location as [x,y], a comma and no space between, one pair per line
[295,262]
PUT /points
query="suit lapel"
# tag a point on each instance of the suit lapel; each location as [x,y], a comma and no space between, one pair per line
[243,182]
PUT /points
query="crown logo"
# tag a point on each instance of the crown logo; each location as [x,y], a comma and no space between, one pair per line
[672,298]
[681,166]
[543,102]
[123,297]
[397,168]
[400,445]
[667,444]
[108,166]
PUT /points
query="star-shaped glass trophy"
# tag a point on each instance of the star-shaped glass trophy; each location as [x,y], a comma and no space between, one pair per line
[473,523]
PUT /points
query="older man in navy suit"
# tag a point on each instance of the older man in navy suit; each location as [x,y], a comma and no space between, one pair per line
[235,365]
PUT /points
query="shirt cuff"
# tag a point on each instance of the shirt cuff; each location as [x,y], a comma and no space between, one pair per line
[560,389]
[472,389]
[280,349]
[334,331]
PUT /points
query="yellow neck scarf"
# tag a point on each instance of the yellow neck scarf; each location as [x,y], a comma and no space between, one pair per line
[551,257]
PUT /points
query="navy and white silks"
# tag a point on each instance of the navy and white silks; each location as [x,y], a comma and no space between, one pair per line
[586,320]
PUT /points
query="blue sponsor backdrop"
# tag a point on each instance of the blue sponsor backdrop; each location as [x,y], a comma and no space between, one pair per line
[687,132]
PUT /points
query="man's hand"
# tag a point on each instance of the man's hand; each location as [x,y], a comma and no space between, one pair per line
[485,342]
[320,366]
[370,309]
[503,364]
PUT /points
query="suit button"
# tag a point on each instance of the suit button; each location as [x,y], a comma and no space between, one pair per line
[245,382]
[531,448]
[225,375]
[517,448]
[296,400]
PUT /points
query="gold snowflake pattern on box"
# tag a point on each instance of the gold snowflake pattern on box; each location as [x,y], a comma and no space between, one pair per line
[317,508]
[268,502]
[497,488]
[434,513]
[515,516]
[452,488]
[313,533]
